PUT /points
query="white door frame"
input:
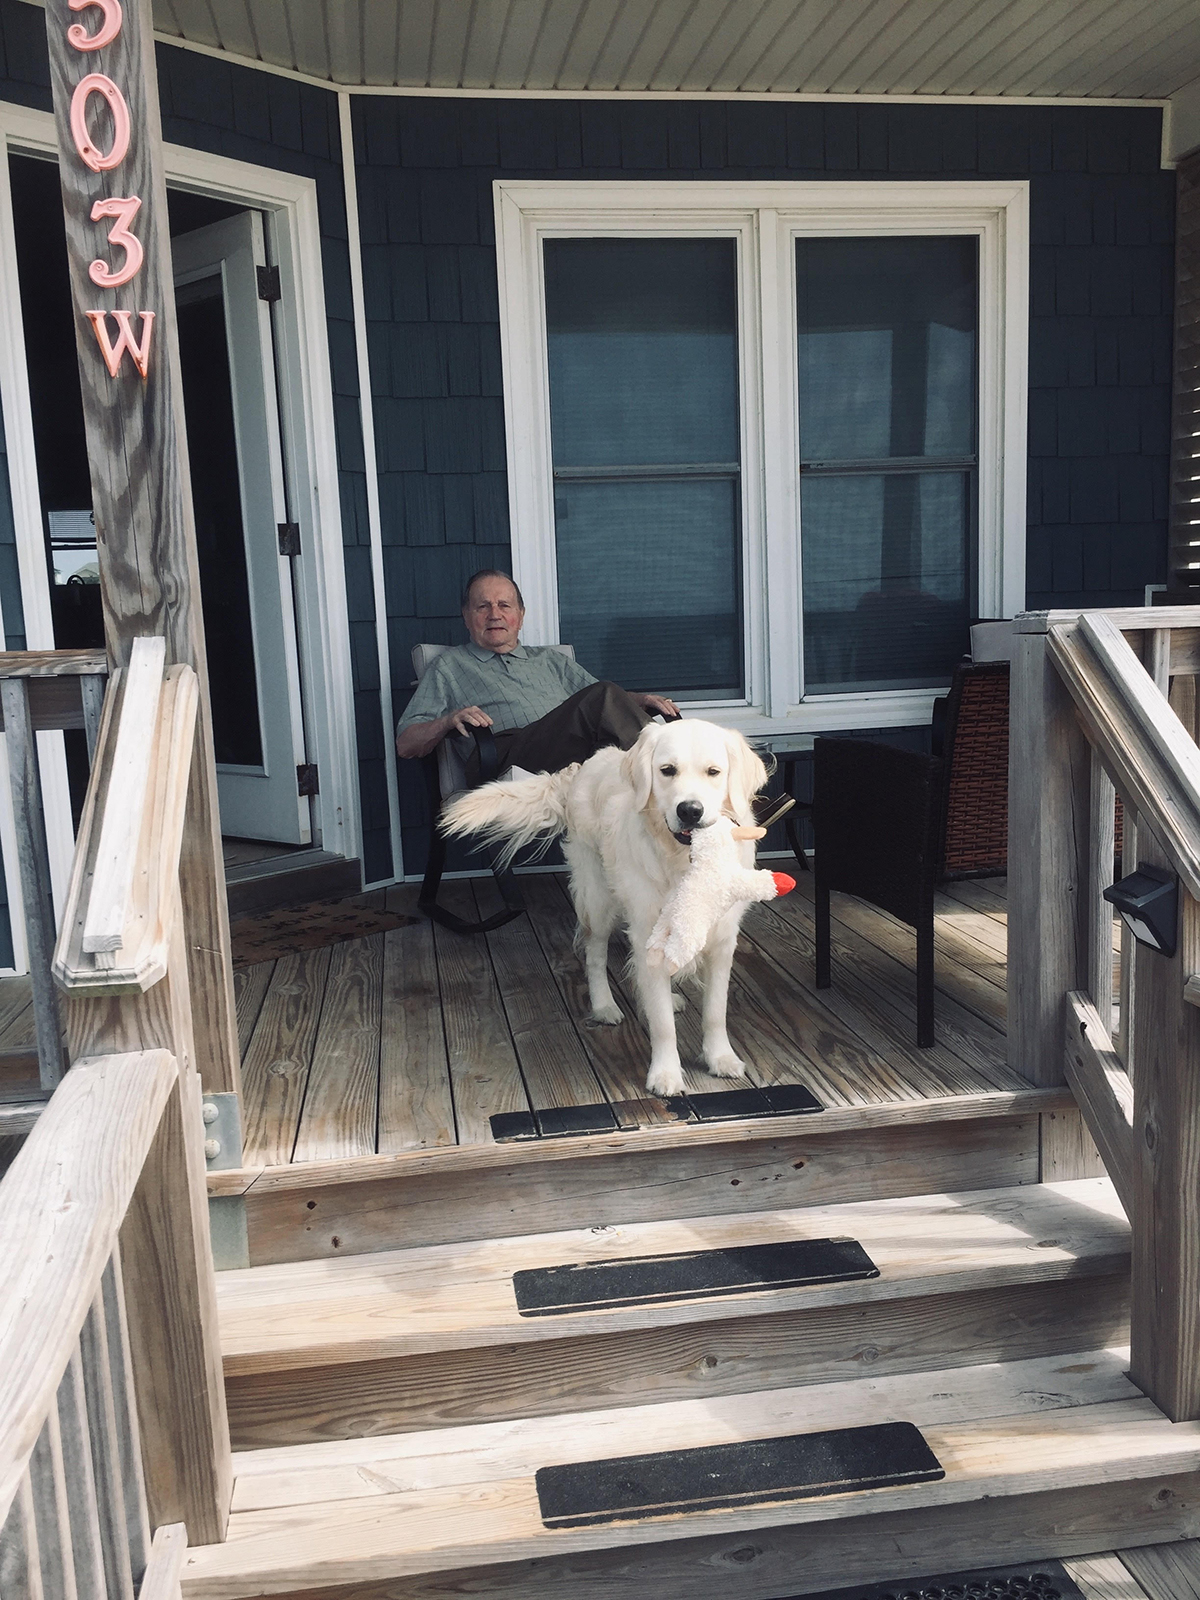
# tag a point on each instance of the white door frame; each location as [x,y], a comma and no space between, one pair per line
[289,203]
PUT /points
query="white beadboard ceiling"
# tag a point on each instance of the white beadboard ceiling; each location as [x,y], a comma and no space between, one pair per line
[1142,49]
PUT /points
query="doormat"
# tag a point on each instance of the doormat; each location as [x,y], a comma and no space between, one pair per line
[799,1466]
[1029,1580]
[689,1275]
[271,934]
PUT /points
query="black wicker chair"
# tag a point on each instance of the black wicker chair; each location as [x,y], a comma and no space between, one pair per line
[890,825]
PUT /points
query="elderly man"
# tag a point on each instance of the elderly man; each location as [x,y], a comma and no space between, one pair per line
[547,710]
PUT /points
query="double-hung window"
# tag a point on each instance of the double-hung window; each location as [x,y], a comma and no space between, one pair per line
[766,441]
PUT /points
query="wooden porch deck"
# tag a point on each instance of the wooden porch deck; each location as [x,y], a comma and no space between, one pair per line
[412,1039]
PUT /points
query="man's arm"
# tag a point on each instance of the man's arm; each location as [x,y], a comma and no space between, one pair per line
[419,738]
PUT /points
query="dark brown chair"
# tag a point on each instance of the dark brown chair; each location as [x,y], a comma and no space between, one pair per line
[890,825]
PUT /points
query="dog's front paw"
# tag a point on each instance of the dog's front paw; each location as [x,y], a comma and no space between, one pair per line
[725,1065]
[608,1016]
[665,1080]
[678,1001]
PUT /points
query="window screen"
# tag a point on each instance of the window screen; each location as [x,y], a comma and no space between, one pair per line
[643,362]
[887,378]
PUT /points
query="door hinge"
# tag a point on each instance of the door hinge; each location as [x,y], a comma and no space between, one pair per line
[269,287]
[306,779]
[289,538]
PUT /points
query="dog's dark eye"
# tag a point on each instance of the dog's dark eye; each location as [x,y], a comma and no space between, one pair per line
[714,772]
[668,772]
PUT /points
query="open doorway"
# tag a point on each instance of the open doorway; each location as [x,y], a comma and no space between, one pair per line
[239,495]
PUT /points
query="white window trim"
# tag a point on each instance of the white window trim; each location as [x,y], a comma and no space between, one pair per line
[306,415]
[766,218]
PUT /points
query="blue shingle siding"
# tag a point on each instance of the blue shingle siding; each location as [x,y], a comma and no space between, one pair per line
[259,117]
[1102,221]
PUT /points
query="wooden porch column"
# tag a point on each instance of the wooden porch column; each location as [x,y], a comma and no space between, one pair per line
[1049,785]
[115,205]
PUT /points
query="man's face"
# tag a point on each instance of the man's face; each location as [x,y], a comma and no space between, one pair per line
[493,615]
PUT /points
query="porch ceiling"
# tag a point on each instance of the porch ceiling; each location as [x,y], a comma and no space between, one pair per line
[1122,48]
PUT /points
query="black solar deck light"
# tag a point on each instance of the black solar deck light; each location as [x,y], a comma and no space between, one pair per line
[1148,901]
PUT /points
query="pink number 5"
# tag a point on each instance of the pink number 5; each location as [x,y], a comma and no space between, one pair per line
[119,234]
[107,31]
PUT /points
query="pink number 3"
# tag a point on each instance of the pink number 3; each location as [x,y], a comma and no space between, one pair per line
[119,234]
[107,31]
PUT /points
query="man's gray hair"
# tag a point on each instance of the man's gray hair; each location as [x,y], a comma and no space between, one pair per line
[488,572]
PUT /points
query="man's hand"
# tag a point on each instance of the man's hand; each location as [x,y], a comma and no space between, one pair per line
[421,737]
[657,703]
[468,717]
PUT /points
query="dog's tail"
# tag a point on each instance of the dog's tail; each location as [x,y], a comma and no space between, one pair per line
[519,811]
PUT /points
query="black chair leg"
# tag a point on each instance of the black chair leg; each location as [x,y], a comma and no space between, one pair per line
[427,901]
[821,920]
[925,981]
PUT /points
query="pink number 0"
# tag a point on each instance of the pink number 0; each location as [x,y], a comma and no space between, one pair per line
[119,234]
[97,83]
[107,31]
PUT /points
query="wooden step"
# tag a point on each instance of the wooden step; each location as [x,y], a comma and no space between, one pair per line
[432,1335]
[308,1210]
[461,1499]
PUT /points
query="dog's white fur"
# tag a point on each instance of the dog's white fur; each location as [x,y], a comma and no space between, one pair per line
[620,812]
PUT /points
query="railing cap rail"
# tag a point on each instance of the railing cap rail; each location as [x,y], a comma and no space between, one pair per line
[53,663]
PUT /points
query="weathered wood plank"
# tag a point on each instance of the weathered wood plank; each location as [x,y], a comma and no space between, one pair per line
[1166,1571]
[341,1103]
[51,1511]
[734,1356]
[137,456]
[1165,1166]
[20,1558]
[279,1057]
[1048,807]
[484,1072]
[79,1481]
[166,1258]
[1104,1578]
[52,663]
[444,1297]
[60,1207]
[554,1064]
[642,1175]
[33,861]
[866,1549]
[167,1556]
[1105,1094]
[108,1465]
[416,1108]
[250,985]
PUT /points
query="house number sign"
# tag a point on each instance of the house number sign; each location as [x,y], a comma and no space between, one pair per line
[122,212]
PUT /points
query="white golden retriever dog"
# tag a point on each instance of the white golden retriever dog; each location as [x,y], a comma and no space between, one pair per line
[629,816]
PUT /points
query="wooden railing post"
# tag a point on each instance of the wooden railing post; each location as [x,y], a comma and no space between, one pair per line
[1165,1322]
[1049,788]
[137,454]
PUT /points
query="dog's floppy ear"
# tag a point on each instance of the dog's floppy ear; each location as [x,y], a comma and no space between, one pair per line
[747,775]
[637,766]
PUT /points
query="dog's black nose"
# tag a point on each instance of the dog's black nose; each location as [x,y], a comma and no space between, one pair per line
[689,813]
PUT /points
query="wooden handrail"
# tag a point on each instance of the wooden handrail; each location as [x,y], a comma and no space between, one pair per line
[1145,748]
[62,1204]
[113,868]
[121,903]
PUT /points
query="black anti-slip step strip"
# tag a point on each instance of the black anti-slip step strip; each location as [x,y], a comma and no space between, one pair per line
[689,1275]
[1039,1580]
[729,1105]
[796,1467]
